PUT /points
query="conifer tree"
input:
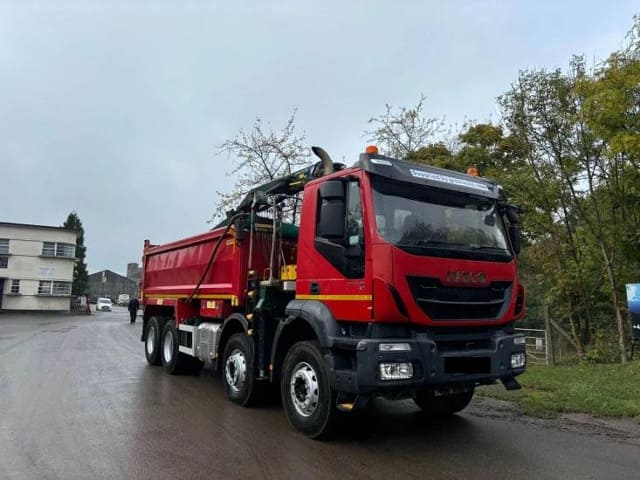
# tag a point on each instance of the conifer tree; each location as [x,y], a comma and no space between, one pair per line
[80,275]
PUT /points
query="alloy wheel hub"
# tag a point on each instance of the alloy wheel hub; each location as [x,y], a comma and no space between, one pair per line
[167,348]
[235,370]
[151,335]
[304,389]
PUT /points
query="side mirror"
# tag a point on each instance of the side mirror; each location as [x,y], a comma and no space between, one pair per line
[332,211]
[512,212]
[514,236]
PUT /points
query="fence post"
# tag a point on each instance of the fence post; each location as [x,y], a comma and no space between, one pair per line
[548,339]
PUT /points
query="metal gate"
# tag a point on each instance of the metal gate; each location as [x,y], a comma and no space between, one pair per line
[537,344]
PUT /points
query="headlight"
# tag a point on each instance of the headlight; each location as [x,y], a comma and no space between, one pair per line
[518,360]
[395,371]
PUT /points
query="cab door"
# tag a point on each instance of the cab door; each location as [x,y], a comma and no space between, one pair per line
[333,250]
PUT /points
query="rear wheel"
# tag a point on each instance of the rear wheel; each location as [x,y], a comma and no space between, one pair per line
[443,405]
[308,400]
[152,341]
[238,373]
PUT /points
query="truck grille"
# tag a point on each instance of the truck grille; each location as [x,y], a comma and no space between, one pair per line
[459,303]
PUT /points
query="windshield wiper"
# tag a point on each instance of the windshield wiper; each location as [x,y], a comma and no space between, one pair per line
[433,243]
[488,248]
[440,243]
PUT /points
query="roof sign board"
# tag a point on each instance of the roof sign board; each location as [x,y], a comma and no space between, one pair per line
[437,177]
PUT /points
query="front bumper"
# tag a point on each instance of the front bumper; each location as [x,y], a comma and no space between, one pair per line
[435,363]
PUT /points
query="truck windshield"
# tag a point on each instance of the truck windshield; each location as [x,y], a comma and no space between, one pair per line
[429,221]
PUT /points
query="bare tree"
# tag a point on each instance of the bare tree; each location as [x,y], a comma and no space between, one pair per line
[262,155]
[402,132]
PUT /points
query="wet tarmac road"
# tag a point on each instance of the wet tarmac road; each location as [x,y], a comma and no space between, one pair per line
[78,401]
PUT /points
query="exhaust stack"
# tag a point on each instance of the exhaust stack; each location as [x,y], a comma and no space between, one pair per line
[327,163]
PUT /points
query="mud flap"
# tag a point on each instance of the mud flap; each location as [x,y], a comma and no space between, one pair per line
[511,383]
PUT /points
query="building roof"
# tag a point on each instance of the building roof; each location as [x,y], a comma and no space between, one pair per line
[107,273]
[39,227]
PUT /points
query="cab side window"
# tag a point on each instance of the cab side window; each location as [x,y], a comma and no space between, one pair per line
[353,226]
[354,248]
[339,227]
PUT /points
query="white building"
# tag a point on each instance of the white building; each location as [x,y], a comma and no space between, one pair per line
[36,266]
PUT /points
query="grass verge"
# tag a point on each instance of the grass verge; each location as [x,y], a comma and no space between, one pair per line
[599,390]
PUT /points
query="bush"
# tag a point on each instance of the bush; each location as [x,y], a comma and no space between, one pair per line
[603,349]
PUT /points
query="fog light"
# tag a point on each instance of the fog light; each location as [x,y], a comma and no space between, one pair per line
[394,347]
[518,360]
[395,371]
[519,340]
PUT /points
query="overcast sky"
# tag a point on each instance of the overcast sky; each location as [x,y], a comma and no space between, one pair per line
[116,110]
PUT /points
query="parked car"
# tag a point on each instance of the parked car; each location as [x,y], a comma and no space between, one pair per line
[104,305]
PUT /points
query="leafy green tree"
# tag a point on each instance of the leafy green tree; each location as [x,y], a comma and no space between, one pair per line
[546,111]
[507,159]
[611,109]
[539,112]
[612,99]
[486,147]
[80,276]
[436,155]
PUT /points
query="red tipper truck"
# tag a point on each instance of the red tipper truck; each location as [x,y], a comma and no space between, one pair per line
[400,280]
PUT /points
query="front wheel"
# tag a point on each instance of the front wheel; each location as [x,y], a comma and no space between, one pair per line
[238,374]
[308,400]
[443,405]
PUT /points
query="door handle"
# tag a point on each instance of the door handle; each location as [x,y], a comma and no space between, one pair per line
[314,289]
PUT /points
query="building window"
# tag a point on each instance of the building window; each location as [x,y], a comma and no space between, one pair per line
[49,249]
[53,249]
[61,288]
[4,246]
[15,286]
[44,287]
[47,287]
[65,250]
[4,262]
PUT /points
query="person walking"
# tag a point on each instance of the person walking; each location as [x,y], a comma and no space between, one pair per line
[87,304]
[134,304]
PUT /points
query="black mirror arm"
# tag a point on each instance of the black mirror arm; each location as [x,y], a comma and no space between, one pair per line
[511,211]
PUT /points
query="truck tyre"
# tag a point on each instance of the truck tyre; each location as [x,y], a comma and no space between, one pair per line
[152,342]
[173,361]
[309,402]
[237,371]
[443,405]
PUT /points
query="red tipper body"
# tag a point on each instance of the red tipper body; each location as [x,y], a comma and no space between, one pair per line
[172,271]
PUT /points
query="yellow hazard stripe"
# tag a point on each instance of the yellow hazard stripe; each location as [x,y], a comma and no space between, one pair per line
[161,296]
[335,297]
